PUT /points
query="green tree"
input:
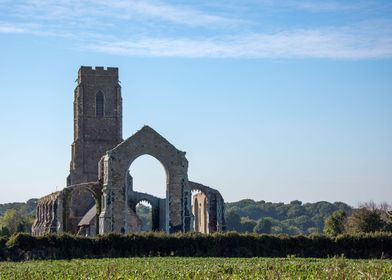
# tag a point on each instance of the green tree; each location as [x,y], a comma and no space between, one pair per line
[11,220]
[295,210]
[233,220]
[293,230]
[335,223]
[4,231]
[365,220]
[264,225]
[247,225]
[145,215]
[314,230]
[296,202]
[303,222]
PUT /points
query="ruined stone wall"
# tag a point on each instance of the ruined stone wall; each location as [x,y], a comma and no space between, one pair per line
[78,200]
[215,207]
[115,167]
[48,215]
[157,223]
[78,204]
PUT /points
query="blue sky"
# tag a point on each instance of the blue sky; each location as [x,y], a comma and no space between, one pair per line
[271,100]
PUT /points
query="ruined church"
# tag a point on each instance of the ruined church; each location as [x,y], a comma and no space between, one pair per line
[99,197]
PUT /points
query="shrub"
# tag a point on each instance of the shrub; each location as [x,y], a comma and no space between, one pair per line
[230,244]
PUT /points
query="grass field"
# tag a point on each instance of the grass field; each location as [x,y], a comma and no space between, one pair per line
[199,268]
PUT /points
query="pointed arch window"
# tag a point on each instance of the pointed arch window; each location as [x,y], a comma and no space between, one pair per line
[99,105]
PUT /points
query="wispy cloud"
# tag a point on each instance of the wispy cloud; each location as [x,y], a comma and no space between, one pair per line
[125,10]
[161,29]
[176,14]
[346,43]
[319,6]
[9,28]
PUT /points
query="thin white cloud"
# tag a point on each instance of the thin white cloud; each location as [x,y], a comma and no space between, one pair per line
[9,28]
[176,14]
[327,6]
[34,29]
[329,44]
[316,5]
[126,28]
[73,10]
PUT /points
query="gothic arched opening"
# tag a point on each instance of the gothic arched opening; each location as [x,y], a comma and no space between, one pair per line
[200,211]
[171,213]
[81,212]
[148,176]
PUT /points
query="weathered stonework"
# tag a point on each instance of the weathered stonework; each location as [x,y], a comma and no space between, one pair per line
[99,196]
[115,165]
[97,121]
[200,206]
[48,214]
[215,207]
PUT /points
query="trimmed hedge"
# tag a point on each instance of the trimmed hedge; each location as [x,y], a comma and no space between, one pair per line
[26,247]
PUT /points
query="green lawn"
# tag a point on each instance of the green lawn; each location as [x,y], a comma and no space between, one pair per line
[198,268]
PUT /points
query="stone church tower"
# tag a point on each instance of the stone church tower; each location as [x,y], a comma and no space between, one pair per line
[97,121]
[90,205]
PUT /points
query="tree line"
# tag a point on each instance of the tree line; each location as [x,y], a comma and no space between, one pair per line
[17,217]
[369,217]
[294,218]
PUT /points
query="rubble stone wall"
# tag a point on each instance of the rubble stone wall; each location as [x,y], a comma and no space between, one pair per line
[48,215]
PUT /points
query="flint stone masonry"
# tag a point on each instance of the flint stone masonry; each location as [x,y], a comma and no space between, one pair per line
[48,212]
[99,196]
[94,134]
[117,161]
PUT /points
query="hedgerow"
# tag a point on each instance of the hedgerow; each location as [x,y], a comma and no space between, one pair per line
[64,246]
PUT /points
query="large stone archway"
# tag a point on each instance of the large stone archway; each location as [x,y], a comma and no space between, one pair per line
[116,213]
[214,207]
[70,220]
[157,208]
